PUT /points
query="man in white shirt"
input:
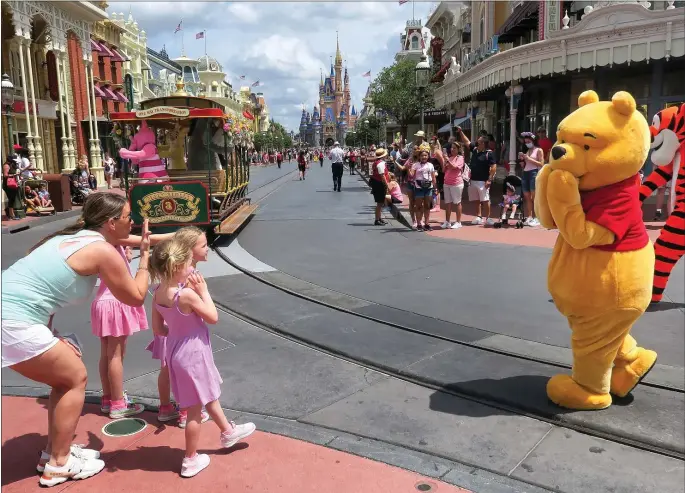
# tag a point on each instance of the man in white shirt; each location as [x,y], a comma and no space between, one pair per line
[337,155]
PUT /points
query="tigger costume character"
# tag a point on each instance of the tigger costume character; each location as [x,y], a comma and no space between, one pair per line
[668,154]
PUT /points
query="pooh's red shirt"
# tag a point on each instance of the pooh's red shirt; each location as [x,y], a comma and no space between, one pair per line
[617,208]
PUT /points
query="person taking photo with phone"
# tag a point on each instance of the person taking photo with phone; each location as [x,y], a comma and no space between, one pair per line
[483,168]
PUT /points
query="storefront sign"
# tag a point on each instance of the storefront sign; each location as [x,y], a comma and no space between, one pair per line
[552,17]
[20,107]
[128,85]
[484,51]
[163,110]
[180,204]
[442,112]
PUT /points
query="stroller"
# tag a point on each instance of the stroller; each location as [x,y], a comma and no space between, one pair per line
[515,182]
[78,197]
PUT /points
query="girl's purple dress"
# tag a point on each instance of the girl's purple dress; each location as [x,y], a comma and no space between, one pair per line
[194,377]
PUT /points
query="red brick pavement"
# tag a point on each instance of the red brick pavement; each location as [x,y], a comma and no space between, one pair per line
[150,460]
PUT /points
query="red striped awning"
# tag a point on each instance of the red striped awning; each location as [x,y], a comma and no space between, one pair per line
[100,93]
[106,51]
[95,46]
[110,94]
[120,96]
[118,57]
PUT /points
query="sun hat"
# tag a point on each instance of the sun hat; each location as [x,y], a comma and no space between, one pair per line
[381,153]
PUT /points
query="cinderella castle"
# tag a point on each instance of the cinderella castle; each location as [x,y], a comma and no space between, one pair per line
[331,119]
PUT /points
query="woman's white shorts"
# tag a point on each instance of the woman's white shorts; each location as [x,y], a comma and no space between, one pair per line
[453,193]
[22,341]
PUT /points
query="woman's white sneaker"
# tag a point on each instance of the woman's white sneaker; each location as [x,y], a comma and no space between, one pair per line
[456,225]
[445,225]
[238,433]
[85,452]
[193,465]
[77,467]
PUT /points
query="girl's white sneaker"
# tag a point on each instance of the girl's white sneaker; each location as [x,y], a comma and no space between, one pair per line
[193,465]
[238,433]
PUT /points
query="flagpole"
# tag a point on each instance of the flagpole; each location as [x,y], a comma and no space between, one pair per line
[413,3]
[205,36]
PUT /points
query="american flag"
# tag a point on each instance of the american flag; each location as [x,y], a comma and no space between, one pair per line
[402,2]
[200,35]
[242,77]
[257,84]
[178,28]
[367,74]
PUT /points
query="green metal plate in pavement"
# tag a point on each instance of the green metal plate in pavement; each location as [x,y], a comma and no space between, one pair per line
[124,427]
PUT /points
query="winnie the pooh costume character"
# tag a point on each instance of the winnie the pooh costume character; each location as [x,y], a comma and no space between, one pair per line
[600,273]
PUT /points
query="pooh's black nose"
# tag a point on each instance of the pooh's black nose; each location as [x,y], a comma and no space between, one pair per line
[558,152]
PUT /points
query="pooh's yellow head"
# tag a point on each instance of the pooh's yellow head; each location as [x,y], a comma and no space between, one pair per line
[602,142]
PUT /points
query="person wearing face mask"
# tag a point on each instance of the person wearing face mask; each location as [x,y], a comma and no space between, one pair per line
[483,167]
[533,160]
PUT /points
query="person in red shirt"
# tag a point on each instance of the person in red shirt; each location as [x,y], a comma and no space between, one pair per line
[544,142]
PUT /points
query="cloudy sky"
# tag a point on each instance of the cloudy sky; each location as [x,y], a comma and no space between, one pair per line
[282,44]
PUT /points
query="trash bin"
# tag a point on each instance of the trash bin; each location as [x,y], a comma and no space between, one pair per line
[59,188]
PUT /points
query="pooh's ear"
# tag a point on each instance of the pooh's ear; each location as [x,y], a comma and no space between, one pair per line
[587,97]
[624,103]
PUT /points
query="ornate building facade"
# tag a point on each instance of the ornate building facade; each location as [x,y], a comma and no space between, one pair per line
[335,113]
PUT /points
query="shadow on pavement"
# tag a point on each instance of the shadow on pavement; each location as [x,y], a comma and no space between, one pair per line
[665,305]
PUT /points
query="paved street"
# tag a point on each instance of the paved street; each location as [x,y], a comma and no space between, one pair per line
[340,374]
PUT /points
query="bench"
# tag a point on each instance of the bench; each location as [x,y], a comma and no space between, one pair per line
[236,220]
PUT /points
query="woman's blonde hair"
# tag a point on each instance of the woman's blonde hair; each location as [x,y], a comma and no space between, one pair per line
[167,257]
[188,236]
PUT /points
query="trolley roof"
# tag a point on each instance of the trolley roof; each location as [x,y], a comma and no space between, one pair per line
[166,113]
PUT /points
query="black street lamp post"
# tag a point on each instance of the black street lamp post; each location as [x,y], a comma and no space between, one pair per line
[422,72]
[7,102]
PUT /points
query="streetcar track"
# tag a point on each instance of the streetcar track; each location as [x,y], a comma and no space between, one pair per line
[405,328]
[425,383]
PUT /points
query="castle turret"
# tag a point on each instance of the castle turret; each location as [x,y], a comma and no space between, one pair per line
[338,77]
[303,124]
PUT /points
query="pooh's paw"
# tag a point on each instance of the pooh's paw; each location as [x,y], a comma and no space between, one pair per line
[562,188]
[542,211]
[565,392]
[626,376]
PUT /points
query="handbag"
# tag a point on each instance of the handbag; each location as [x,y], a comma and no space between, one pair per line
[12,182]
[466,173]
[425,184]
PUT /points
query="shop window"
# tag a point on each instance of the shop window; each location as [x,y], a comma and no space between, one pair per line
[414,43]
[637,85]
[101,68]
[673,83]
[15,69]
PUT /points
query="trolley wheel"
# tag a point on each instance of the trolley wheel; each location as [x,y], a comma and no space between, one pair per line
[498,225]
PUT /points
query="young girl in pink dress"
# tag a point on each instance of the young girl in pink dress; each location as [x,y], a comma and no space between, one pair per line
[113,322]
[183,302]
[194,239]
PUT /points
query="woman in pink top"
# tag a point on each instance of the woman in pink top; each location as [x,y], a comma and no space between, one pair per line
[454,184]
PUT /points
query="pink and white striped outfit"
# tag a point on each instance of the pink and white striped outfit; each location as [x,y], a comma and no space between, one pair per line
[152,167]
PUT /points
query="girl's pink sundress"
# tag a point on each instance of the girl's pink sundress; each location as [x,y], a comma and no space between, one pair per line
[111,317]
[194,377]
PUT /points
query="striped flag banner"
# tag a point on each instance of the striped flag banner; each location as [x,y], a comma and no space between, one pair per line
[367,74]
[402,2]
[242,77]
[200,35]
[178,28]
[257,84]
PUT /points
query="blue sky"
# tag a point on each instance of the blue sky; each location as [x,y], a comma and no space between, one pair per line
[282,44]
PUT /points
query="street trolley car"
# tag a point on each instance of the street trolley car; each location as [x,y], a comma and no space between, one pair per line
[208,169]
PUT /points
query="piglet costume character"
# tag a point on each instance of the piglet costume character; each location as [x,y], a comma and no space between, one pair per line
[143,152]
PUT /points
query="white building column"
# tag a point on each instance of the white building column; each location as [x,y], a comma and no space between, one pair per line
[513,93]
[91,95]
[29,137]
[38,148]
[91,140]
[71,153]
[61,91]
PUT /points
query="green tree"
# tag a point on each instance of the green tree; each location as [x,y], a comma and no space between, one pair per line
[394,91]
[259,141]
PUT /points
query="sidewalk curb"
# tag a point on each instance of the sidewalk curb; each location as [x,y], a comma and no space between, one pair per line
[394,210]
[455,473]
[40,221]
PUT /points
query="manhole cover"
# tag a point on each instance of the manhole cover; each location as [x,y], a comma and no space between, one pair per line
[422,486]
[124,427]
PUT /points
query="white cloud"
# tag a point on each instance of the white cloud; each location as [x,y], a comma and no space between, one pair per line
[244,12]
[284,45]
